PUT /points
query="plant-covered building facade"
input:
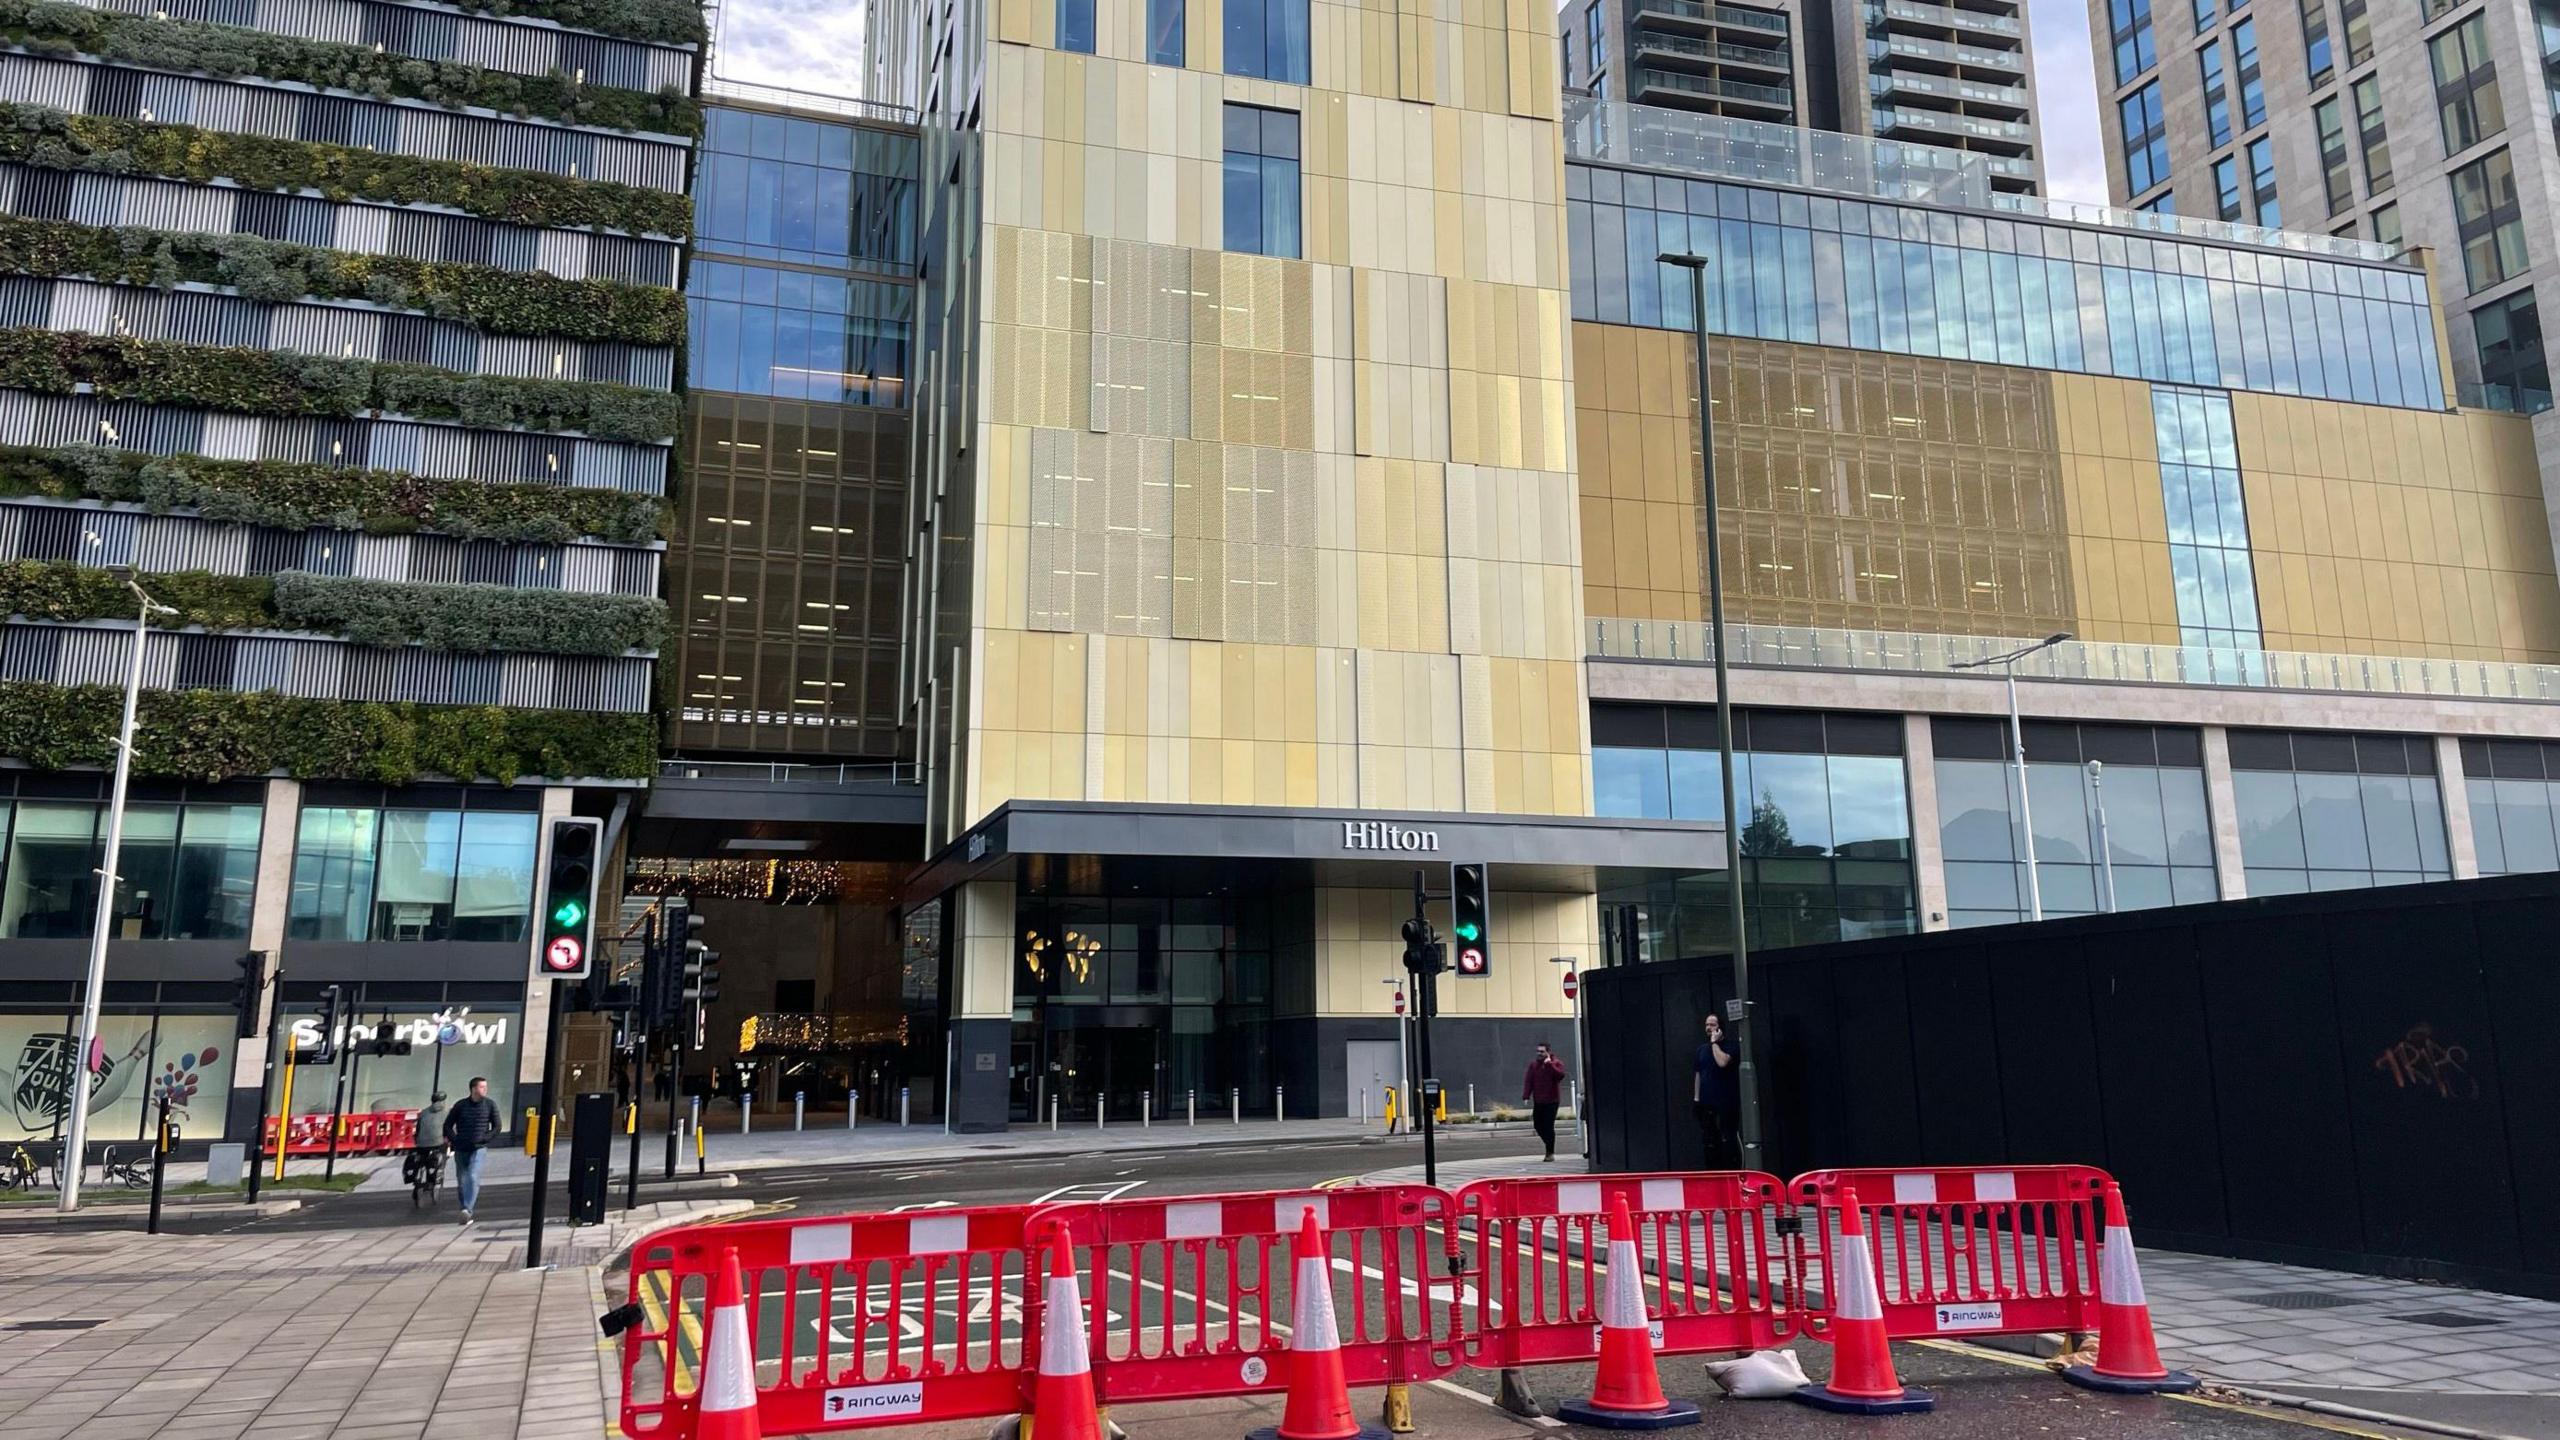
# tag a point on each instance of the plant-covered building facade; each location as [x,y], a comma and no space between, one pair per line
[355,348]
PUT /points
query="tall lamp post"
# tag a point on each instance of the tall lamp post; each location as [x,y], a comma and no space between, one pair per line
[1581,1046]
[72,1162]
[1749,1074]
[2008,663]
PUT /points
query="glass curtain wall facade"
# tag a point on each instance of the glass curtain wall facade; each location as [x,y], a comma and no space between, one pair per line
[2150,782]
[1826,825]
[190,865]
[2514,788]
[2208,521]
[2336,811]
[408,872]
[1909,280]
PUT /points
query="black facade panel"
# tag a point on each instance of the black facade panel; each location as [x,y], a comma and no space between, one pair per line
[1881,1110]
[2523,987]
[1955,1059]
[2272,1036]
[2422,1084]
[2047,1051]
[2154,1075]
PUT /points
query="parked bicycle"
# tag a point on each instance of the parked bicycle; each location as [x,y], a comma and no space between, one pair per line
[132,1174]
[23,1169]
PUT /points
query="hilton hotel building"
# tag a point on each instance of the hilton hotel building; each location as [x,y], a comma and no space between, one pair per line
[1306,494]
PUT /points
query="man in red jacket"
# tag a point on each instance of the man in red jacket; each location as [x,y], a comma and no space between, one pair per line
[1541,1089]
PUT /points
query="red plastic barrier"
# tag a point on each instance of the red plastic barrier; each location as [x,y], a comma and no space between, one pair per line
[386,1132]
[859,1321]
[1192,1297]
[1962,1252]
[1711,1261]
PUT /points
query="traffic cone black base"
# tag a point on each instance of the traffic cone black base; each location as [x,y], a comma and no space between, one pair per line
[1672,1415]
[1366,1432]
[1823,1397]
[2176,1382]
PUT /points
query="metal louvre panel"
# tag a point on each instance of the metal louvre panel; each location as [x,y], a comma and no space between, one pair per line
[635,572]
[205,662]
[475,680]
[230,437]
[262,664]
[29,419]
[382,557]
[576,682]
[366,674]
[58,83]
[26,300]
[327,552]
[434,35]
[325,330]
[211,12]
[12,527]
[515,48]
[632,261]
[200,319]
[171,98]
[313,670]
[586,570]
[180,542]
[610,466]
[608,61]
[536,567]
[29,652]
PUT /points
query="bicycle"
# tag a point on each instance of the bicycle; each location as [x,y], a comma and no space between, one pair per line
[424,1171]
[132,1174]
[20,1169]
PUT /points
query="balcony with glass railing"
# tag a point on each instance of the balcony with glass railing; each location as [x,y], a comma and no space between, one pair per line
[1706,13]
[1939,122]
[1922,51]
[1805,647]
[1948,88]
[1950,17]
[1690,49]
[1652,82]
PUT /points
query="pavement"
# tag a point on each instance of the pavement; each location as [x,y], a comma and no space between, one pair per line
[356,1318]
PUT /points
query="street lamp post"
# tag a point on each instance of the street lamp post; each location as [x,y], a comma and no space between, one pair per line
[1748,1075]
[1581,1076]
[2106,854]
[2008,664]
[76,1137]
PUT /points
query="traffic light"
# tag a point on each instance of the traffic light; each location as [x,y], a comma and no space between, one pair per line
[701,963]
[388,1039]
[1422,949]
[561,949]
[249,993]
[327,1052]
[1470,918]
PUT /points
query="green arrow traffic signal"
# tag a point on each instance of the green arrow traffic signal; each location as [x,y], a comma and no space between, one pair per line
[1469,933]
[569,913]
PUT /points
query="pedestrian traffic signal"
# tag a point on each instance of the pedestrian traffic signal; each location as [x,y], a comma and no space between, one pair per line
[249,993]
[562,946]
[1470,918]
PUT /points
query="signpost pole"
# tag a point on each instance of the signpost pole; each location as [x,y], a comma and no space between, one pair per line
[266,1074]
[541,1119]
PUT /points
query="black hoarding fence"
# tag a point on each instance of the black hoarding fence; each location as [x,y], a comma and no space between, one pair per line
[2361,1079]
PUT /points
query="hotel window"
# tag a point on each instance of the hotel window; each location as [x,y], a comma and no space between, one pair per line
[2386,226]
[2262,182]
[2228,204]
[2205,11]
[2468,108]
[2131,20]
[2316,61]
[2359,31]
[2491,220]
[2337,177]
[1075,26]
[2253,95]
[2515,798]
[2370,135]
[2150,783]
[2146,139]
[1595,44]
[2164,203]
[2208,521]
[2217,97]
[1262,180]
[2513,374]
[1564,57]
[2329,811]
[1165,32]
[1267,39]
[2430,11]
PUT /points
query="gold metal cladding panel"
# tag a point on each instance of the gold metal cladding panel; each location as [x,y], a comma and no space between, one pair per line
[2397,532]
[2122,587]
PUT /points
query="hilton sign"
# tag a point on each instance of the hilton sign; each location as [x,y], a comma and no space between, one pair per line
[1379,835]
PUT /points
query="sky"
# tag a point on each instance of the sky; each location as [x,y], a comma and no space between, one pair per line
[817,45]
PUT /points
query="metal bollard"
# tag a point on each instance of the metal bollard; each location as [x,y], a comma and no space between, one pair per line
[799,1110]
[1053,1114]
[1191,1107]
[746,1112]
[1573,1088]
[902,1104]
[1364,1105]
[1235,1104]
[852,1108]
[1280,1104]
[696,1121]
[1097,1112]
[1146,1109]
[1471,1097]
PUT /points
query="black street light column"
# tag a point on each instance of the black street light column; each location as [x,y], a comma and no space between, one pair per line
[1748,1071]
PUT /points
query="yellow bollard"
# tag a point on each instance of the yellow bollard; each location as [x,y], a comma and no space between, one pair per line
[1391,1109]
[532,1130]
[1398,1411]
[631,1117]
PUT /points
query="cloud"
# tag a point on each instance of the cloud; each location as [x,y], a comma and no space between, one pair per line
[2075,168]
[803,44]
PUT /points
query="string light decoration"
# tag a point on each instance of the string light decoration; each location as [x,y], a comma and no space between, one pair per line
[811,1034]
[776,882]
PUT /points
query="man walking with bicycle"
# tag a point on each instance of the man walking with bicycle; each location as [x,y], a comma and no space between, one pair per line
[468,1129]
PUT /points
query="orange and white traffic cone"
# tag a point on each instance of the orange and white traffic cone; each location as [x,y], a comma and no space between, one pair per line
[1627,1392]
[1862,1378]
[2128,1357]
[1062,1402]
[1319,1404]
[728,1406]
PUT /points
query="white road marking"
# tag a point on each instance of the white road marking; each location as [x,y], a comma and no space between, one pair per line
[1439,1284]
[923,1205]
[1089,1190]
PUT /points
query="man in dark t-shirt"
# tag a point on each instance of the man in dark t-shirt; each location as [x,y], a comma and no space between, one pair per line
[1714,1093]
